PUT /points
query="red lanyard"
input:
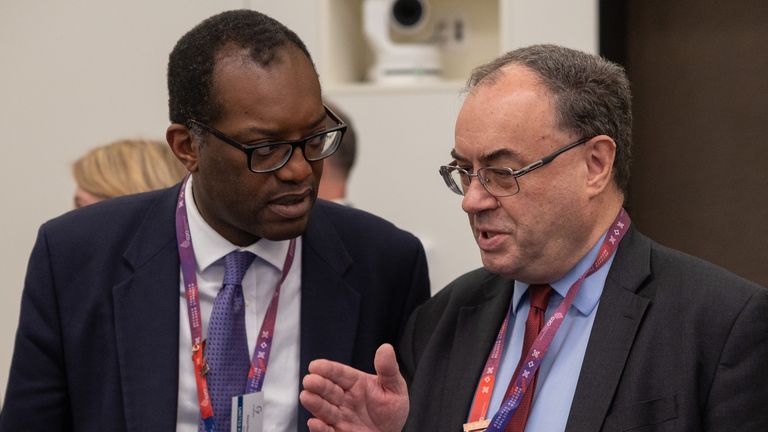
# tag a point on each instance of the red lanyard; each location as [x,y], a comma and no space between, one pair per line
[541,345]
[260,359]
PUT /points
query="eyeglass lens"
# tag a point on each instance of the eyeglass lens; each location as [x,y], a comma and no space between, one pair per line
[315,148]
[497,181]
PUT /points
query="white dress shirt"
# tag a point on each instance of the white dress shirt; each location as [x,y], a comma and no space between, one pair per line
[281,384]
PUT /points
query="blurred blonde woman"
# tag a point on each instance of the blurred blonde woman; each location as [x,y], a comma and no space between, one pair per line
[124,167]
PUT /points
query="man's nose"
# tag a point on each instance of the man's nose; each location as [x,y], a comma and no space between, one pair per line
[477,198]
[297,169]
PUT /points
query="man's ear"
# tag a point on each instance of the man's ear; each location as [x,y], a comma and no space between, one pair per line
[183,145]
[601,151]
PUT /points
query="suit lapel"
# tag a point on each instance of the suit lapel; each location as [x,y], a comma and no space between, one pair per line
[476,330]
[618,319]
[147,321]
[329,306]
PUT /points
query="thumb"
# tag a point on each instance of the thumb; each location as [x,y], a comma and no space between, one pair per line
[387,370]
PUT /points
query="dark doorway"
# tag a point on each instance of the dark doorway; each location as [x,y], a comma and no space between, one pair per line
[699,74]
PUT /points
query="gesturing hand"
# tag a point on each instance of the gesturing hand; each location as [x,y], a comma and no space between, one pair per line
[344,399]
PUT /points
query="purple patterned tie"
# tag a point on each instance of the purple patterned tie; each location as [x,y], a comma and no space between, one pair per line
[227,347]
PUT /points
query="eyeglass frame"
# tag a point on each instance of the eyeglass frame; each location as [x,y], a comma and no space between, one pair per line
[445,170]
[249,149]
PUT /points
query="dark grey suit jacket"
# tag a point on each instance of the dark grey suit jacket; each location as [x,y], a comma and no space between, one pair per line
[677,345]
[97,347]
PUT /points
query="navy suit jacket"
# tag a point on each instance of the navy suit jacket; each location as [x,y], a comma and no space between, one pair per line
[97,348]
[678,345]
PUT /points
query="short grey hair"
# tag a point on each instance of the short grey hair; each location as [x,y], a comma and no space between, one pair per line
[592,95]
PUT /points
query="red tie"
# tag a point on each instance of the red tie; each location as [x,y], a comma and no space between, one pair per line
[539,298]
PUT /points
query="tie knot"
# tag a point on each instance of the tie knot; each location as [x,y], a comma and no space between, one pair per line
[539,296]
[235,265]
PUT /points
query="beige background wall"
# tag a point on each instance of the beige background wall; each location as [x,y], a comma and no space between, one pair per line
[77,74]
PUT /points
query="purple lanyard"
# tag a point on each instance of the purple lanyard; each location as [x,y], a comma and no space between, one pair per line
[260,359]
[544,339]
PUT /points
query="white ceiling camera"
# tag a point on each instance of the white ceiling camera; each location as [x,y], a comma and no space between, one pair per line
[399,62]
[409,16]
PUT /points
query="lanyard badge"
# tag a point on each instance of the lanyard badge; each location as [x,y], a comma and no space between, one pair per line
[260,358]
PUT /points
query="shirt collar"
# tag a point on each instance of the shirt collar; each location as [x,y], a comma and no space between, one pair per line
[591,289]
[210,246]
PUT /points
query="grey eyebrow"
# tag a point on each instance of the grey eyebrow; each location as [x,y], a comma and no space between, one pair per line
[487,159]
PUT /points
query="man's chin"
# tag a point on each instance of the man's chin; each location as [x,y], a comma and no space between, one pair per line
[495,263]
[285,230]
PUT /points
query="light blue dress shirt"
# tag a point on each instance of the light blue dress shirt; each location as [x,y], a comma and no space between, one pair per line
[559,372]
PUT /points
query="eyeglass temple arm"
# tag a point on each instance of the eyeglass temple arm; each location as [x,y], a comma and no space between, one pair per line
[528,168]
[541,162]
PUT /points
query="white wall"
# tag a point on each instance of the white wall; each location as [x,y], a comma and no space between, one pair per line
[570,23]
[403,137]
[76,74]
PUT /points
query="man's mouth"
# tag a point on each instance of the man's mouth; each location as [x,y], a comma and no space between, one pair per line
[292,206]
[489,240]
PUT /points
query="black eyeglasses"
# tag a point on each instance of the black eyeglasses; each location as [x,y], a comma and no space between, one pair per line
[498,181]
[271,156]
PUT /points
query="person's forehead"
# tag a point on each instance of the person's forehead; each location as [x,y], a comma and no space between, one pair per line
[287,65]
[286,89]
[513,90]
[508,118]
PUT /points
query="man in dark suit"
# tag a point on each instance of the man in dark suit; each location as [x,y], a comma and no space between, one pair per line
[577,322]
[116,292]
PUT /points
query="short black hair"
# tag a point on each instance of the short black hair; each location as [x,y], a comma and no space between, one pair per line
[191,63]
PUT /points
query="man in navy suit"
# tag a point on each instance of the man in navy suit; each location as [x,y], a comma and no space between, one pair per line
[576,322]
[115,292]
